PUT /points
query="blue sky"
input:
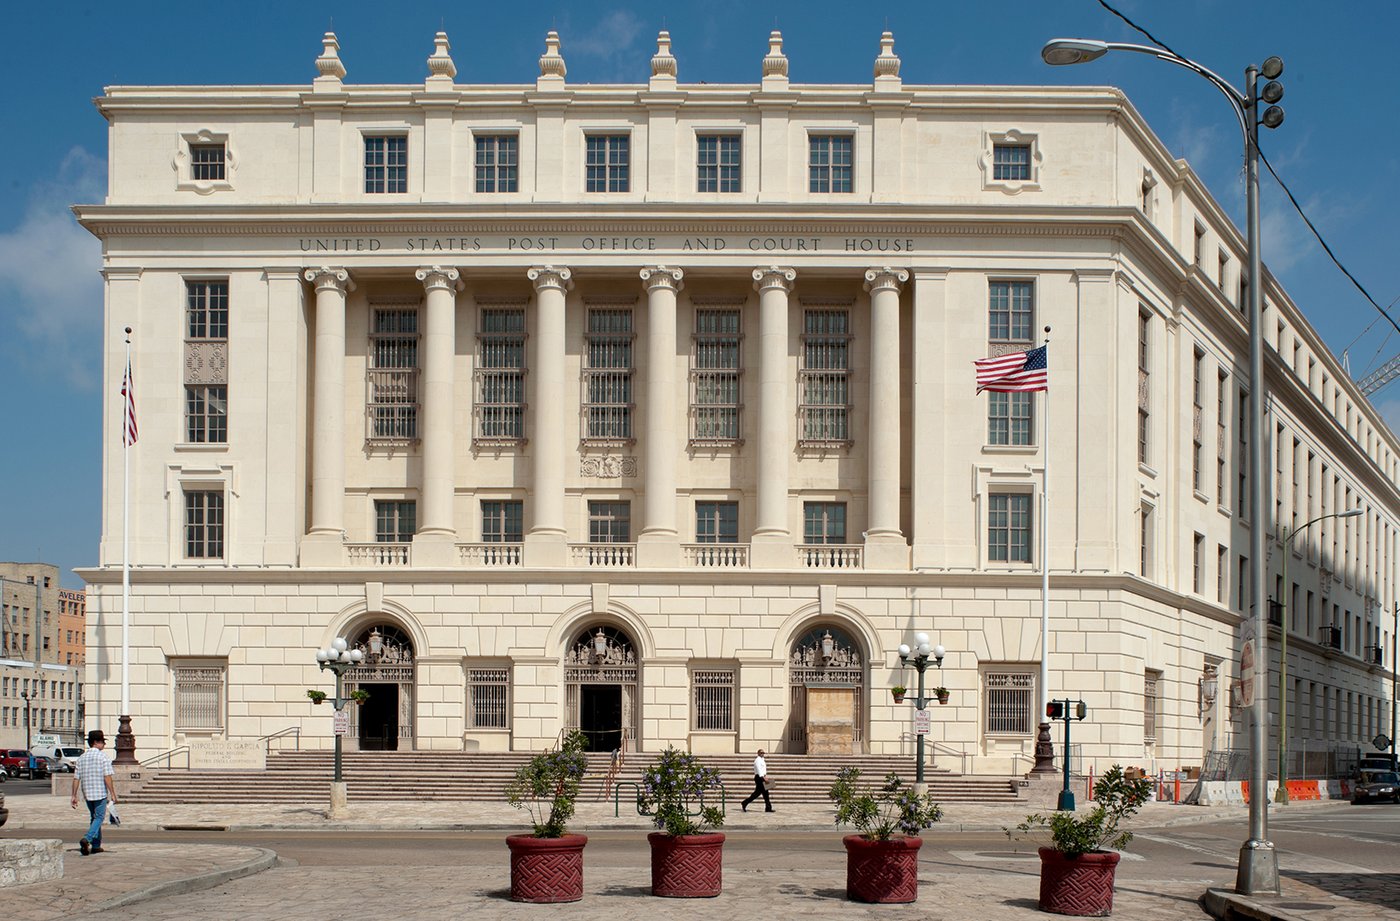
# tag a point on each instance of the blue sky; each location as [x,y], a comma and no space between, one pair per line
[1339,149]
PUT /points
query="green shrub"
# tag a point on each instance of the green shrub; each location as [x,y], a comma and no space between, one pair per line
[1116,797]
[547,786]
[878,812]
[674,782]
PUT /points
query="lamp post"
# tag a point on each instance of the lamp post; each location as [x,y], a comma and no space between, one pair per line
[1258,868]
[27,698]
[339,658]
[1288,538]
[919,657]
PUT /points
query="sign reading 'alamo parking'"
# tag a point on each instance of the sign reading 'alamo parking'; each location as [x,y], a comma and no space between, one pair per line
[608,243]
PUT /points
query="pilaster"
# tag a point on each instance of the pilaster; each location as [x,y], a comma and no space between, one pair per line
[1102,388]
[930,483]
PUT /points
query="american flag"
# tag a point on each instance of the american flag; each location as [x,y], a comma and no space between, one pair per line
[1013,372]
[129,395]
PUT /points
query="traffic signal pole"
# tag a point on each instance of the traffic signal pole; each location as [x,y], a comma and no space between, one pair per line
[1066,710]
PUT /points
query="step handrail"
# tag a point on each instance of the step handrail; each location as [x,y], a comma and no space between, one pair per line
[167,756]
[294,731]
[934,748]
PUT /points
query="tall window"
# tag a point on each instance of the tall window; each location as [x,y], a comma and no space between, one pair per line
[1009,527]
[823,522]
[1198,564]
[386,164]
[718,167]
[1242,586]
[206,362]
[199,696]
[824,377]
[716,522]
[1151,705]
[715,377]
[607,375]
[395,520]
[497,163]
[609,522]
[1010,697]
[1011,162]
[1222,402]
[1010,311]
[1198,412]
[1198,253]
[829,163]
[1144,384]
[502,521]
[207,162]
[1145,541]
[1242,458]
[607,167]
[1009,419]
[488,694]
[204,524]
[393,375]
[500,375]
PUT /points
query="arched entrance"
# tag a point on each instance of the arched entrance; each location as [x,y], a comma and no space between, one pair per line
[384,722]
[826,684]
[600,681]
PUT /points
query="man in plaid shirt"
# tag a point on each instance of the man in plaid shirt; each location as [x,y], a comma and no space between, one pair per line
[93,775]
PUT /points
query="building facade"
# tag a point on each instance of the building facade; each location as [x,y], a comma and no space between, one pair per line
[650,410]
[39,690]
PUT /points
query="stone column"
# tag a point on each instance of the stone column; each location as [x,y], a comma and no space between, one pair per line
[546,543]
[772,541]
[324,545]
[434,545]
[658,544]
[885,547]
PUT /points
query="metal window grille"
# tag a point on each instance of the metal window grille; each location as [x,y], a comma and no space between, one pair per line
[1011,305]
[1009,528]
[715,377]
[502,521]
[500,375]
[488,694]
[607,167]
[824,522]
[718,163]
[206,310]
[204,524]
[1010,702]
[829,165]
[1011,162]
[824,378]
[386,164]
[207,162]
[206,415]
[713,695]
[199,697]
[607,375]
[609,522]
[497,163]
[1009,418]
[395,520]
[716,522]
[392,376]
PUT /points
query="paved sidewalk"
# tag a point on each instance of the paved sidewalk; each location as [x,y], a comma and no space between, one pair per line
[176,883]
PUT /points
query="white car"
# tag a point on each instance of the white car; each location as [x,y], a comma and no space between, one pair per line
[65,760]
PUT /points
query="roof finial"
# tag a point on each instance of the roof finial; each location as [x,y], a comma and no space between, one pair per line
[663,63]
[330,68]
[775,64]
[441,69]
[887,63]
[552,62]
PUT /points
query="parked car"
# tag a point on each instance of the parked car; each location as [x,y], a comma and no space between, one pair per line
[19,762]
[1376,787]
[65,760]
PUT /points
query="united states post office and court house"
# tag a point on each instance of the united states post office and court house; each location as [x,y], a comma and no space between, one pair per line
[650,410]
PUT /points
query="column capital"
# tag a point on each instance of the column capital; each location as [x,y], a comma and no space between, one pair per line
[774,276]
[437,276]
[326,278]
[885,277]
[662,276]
[551,276]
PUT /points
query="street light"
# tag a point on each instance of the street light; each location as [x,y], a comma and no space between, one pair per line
[1288,538]
[919,657]
[27,697]
[1258,868]
[339,658]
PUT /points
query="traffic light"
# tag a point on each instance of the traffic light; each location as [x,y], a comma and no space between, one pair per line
[1055,709]
[1080,711]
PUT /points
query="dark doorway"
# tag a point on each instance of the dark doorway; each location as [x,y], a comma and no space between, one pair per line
[379,718]
[600,716]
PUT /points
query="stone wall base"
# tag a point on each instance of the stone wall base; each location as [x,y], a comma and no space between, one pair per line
[30,860]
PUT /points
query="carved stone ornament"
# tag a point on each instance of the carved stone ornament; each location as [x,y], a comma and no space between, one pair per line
[552,62]
[329,63]
[551,276]
[774,276]
[326,277]
[206,361]
[440,62]
[439,277]
[775,64]
[608,468]
[663,64]
[887,64]
[886,277]
[662,276]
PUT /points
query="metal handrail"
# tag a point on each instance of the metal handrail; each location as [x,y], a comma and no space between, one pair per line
[1020,756]
[294,731]
[933,749]
[167,756]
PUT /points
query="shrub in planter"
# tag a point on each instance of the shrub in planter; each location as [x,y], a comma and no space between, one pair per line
[317,697]
[1077,870]
[547,866]
[942,695]
[898,692]
[359,695]
[687,861]
[882,862]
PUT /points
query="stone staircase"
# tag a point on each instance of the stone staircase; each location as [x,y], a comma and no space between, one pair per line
[301,776]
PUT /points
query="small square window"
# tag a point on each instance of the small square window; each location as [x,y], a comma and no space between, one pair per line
[823,522]
[207,162]
[204,162]
[716,522]
[395,521]
[1011,162]
[502,521]
[609,522]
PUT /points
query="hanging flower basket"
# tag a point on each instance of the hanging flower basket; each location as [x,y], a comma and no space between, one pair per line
[898,694]
[359,696]
[317,697]
[942,695]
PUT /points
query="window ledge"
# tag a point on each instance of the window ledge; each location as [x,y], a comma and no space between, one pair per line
[1201,497]
[1147,470]
[1011,449]
[1224,510]
[202,447]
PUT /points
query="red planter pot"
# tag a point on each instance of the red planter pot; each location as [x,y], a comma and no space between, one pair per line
[687,866]
[882,871]
[1080,885]
[546,869]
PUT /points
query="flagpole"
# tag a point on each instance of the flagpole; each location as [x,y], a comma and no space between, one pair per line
[126,741]
[1044,748]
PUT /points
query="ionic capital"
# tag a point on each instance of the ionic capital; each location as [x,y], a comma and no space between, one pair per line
[551,276]
[327,279]
[437,276]
[885,277]
[774,276]
[662,276]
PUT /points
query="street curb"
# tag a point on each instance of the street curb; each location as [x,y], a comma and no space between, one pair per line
[266,859]
[1231,906]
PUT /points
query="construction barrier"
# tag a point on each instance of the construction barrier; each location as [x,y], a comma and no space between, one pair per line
[1303,790]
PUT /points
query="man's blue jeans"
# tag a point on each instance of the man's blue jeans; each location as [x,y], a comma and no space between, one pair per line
[98,808]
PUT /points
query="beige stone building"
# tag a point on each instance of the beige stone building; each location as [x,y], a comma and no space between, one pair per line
[37,685]
[650,410]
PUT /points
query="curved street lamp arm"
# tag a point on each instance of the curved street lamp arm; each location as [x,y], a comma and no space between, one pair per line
[1237,99]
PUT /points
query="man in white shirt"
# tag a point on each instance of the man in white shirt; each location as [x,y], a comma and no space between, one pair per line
[760,784]
[93,776]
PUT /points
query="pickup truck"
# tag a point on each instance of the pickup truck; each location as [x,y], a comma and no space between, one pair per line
[20,762]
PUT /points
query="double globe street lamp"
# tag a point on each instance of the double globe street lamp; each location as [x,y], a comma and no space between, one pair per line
[338,658]
[919,657]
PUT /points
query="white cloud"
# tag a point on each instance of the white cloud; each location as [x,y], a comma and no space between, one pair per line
[614,41]
[50,290]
